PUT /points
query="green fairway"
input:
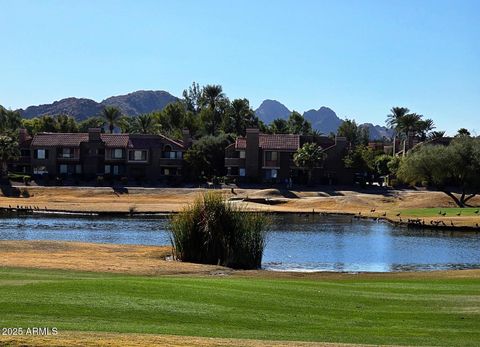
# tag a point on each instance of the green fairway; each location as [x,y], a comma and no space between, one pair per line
[435,212]
[357,310]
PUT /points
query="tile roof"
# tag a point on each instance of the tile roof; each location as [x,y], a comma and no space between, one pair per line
[59,139]
[110,140]
[275,141]
[114,140]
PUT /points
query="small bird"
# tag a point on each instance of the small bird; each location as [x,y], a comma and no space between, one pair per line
[444,214]
[372,210]
[451,223]
[359,213]
[459,213]
[384,214]
[398,214]
[476,225]
[440,212]
[477,211]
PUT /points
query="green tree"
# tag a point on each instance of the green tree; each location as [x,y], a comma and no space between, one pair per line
[361,159]
[278,126]
[206,157]
[91,122]
[214,103]
[309,156]
[66,124]
[354,134]
[463,132]
[298,125]
[112,117]
[239,117]
[144,124]
[454,166]
[8,151]
[10,120]
[172,117]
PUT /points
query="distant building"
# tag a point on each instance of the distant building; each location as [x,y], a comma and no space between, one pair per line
[93,154]
[269,158]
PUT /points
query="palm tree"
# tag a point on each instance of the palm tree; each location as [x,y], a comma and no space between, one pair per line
[436,135]
[144,124]
[112,116]
[212,95]
[309,156]
[396,114]
[8,151]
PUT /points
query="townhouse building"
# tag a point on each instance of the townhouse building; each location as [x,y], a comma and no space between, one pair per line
[93,154]
[268,158]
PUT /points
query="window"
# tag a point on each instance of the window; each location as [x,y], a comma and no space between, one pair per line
[66,153]
[137,155]
[116,170]
[39,170]
[271,156]
[41,154]
[117,153]
[242,172]
[107,169]
[63,169]
[166,172]
[78,169]
[241,154]
[271,173]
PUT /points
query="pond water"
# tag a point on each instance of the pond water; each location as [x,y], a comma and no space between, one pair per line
[294,242]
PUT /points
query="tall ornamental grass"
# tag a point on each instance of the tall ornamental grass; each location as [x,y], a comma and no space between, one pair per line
[214,231]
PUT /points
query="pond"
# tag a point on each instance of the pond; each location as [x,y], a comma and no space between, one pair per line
[294,242]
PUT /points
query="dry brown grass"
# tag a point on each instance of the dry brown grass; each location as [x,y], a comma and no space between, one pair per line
[144,260]
[87,339]
[150,260]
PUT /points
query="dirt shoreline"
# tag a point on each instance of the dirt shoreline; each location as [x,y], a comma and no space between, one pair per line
[152,261]
[377,203]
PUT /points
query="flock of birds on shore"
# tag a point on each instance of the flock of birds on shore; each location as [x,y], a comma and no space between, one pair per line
[421,222]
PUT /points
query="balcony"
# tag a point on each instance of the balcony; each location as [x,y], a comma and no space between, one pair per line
[235,162]
[170,162]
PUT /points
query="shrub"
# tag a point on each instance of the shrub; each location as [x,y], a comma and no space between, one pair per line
[213,231]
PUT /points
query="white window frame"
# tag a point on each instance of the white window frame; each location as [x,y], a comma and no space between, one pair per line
[41,153]
[115,151]
[241,172]
[241,154]
[63,169]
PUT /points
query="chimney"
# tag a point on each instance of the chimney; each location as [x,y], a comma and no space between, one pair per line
[340,142]
[187,140]
[251,152]
[22,135]
[94,135]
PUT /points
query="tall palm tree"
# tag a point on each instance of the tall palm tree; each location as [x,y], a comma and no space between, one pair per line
[212,96]
[112,116]
[396,113]
[8,151]
[144,124]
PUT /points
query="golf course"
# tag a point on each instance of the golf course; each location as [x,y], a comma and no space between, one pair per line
[440,308]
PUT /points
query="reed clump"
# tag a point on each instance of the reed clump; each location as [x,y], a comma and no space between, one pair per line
[215,231]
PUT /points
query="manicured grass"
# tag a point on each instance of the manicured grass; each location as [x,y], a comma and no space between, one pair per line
[434,212]
[357,310]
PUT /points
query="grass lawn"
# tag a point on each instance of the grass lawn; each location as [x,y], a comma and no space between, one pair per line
[434,212]
[359,310]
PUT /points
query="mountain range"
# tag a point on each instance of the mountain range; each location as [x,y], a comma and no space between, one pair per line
[325,120]
[133,104]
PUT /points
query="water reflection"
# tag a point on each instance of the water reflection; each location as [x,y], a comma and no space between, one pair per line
[294,243]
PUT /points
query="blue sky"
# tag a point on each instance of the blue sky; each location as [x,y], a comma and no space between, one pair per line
[358,57]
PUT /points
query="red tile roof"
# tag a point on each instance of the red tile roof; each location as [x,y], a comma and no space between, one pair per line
[114,140]
[273,142]
[59,139]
